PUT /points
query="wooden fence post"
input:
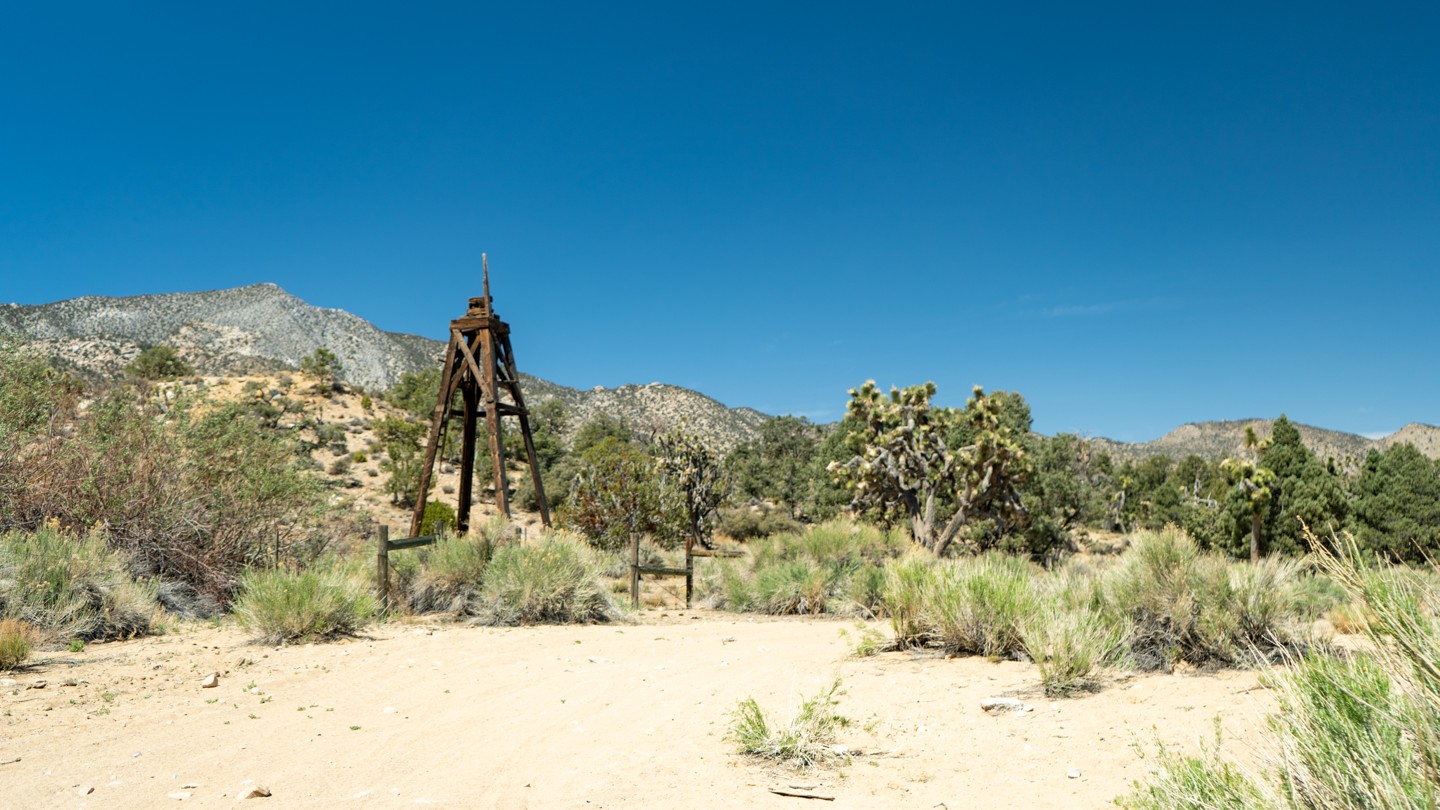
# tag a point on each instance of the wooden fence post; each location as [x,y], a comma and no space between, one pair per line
[382,565]
[634,570]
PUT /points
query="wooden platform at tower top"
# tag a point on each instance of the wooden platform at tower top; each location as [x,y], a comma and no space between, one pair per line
[480,372]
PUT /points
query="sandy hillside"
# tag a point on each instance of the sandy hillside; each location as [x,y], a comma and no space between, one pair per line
[570,717]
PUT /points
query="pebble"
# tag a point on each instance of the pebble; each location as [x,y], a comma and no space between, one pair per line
[1002,705]
[1073,773]
[258,793]
[211,681]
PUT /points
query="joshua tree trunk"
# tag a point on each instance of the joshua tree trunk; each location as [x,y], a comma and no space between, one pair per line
[1255,537]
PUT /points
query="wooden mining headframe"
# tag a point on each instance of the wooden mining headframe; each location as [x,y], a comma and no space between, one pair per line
[480,367]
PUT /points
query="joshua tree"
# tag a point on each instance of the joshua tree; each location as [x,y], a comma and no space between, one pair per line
[1255,484]
[902,467]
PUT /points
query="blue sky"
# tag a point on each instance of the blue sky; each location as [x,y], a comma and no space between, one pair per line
[1136,215]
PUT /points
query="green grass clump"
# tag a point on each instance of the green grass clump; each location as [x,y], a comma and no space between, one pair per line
[1195,607]
[807,740]
[1070,645]
[1195,782]
[277,605]
[71,587]
[17,638]
[908,584]
[450,575]
[554,580]
[976,605]
[1355,732]
[794,587]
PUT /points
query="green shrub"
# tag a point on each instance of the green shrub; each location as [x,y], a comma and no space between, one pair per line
[451,574]
[359,457]
[16,640]
[977,605]
[1069,645]
[1194,607]
[277,605]
[438,518]
[159,363]
[908,585]
[797,586]
[71,587]
[555,580]
[865,590]
[1205,781]
[747,523]
[1350,732]
[807,740]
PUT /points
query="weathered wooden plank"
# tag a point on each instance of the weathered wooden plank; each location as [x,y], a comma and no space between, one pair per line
[663,572]
[717,552]
[412,542]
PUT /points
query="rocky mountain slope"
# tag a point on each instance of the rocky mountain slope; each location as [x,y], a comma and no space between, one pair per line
[1216,440]
[262,328]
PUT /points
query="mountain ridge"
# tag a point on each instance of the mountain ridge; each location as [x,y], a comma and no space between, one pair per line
[262,328]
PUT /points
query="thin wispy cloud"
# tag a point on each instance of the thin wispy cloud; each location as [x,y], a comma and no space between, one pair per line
[1106,308]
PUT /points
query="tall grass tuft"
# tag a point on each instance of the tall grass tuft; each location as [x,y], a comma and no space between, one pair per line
[450,575]
[1195,607]
[1354,732]
[554,580]
[16,640]
[71,587]
[1070,644]
[808,739]
[908,585]
[278,605]
[976,605]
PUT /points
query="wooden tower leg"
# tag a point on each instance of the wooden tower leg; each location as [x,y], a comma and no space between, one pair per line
[513,376]
[492,421]
[467,460]
[432,443]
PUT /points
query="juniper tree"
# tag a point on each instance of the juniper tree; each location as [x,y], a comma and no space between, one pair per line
[902,468]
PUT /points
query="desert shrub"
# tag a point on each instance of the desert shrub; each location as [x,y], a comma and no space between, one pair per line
[1070,644]
[554,580]
[865,590]
[908,584]
[320,602]
[159,363]
[1350,732]
[748,523]
[808,739]
[437,518]
[450,575]
[726,585]
[834,567]
[796,586]
[977,605]
[16,640]
[194,494]
[70,587]
[1350,618]
[1195,782]
[359,457]
[1190,606]
[339,466]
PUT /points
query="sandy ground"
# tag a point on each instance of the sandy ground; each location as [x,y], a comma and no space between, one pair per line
[559,717]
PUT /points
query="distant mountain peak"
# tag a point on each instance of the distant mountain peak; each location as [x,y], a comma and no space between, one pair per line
[261,327]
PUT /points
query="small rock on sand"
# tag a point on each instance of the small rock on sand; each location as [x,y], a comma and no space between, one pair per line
[258,793]
[211,681]
[1001,705]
